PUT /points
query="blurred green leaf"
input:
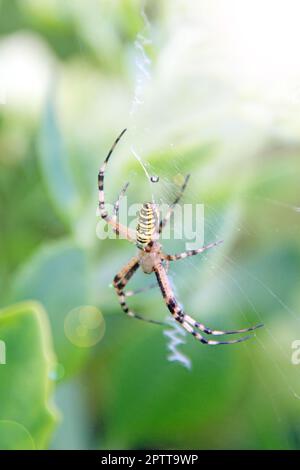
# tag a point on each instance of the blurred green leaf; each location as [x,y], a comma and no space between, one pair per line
[26,227]
[57,277]
[55,166]
[27,417]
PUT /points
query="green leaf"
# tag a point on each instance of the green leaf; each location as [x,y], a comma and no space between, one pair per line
[55,166]
[27,417]
[57,277]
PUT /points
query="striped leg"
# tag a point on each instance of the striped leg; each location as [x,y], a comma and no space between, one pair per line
[120,281]
[187,322]
[117,206]
[121,229]
[164,221]
[130,293]
[117,203]
[185,254]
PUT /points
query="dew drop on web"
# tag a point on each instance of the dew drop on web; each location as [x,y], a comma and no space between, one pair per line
[154,179]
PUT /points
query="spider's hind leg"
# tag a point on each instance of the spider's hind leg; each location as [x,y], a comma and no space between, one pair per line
[120,281]
[210,331]
[131,293]
[187,322]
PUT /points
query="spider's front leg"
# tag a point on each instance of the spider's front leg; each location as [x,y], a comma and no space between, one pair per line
[187,322]
[164,221]
[120,281]
[117,227]
[117,203]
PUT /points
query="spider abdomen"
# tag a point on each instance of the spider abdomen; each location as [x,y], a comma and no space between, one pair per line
[147,225]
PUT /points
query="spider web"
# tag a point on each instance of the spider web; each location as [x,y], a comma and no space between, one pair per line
[222,269]
[174,333]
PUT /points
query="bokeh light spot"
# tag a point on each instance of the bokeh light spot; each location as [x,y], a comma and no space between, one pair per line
[57,372]
[84,326]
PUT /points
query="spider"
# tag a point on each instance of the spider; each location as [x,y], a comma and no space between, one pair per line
[151,258]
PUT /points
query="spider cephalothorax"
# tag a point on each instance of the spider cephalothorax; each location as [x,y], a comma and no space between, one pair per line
[151,258]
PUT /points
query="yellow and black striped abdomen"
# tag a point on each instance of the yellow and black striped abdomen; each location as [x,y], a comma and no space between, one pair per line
[147,225]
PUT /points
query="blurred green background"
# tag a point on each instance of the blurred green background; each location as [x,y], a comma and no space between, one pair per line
[207,88]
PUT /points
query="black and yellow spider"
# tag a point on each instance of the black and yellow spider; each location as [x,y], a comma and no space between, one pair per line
[151,258]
